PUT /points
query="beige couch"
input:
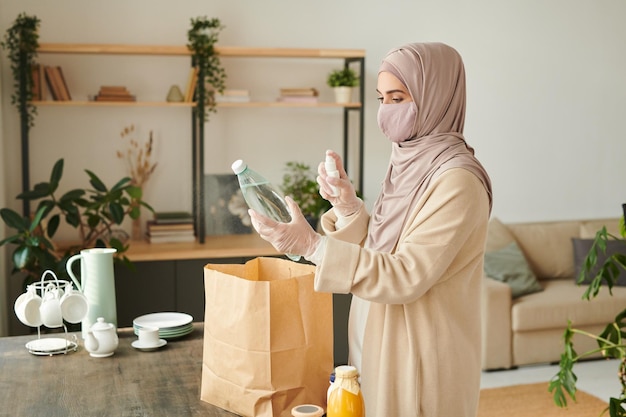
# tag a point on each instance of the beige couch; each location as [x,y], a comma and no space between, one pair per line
[529,329]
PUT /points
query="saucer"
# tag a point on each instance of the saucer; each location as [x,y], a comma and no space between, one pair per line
[147,348]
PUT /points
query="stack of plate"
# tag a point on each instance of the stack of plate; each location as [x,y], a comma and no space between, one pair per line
[171,325]
[51,346]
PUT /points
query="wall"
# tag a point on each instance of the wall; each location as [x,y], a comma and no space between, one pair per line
[545,93]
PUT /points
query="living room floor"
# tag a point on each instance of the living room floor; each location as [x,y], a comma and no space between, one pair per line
[595,377]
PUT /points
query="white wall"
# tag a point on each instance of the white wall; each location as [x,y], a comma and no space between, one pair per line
[546,88]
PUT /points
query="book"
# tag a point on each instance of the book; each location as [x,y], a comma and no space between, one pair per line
[153,226]
[52,83]
[65,92]
[192,81]
[171,239]
[114,93]
[173,217]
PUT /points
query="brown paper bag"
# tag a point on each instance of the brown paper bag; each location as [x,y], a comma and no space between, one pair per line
[268,338]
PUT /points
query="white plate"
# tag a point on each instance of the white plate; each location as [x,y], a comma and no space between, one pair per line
[170,334]
[137,345]
[50,346]
[163,320]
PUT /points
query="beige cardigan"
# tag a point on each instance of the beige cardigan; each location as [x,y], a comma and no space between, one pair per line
[421,349]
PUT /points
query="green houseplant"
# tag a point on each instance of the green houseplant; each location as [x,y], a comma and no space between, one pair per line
[94,212]
[612,341]
[342,81]
[299,183]
[202,37]
[345,77]
[21,40]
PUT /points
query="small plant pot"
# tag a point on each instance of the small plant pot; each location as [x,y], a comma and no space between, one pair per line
[343,94]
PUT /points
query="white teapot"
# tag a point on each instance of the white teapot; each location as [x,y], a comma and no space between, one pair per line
[101,339]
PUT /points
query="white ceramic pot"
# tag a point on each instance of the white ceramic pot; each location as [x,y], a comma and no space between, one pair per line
[343,94]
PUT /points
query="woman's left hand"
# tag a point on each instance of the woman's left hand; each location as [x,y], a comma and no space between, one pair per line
[296,237]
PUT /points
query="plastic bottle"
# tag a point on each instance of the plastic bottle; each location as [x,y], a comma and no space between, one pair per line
[262,196]
[346,399]
[331,170]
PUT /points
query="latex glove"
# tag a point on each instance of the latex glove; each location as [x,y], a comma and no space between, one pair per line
[296,237]
[346,201]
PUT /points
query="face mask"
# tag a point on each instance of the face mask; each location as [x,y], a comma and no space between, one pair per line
[397,120]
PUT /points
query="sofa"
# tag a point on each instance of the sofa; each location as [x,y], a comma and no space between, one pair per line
[530,291]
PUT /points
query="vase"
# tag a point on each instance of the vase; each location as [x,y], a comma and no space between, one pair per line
[136,232]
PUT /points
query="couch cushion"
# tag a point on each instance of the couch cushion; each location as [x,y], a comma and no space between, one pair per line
[588,228]
[582,248]
[547,247]
[498,235]
[560,301]
[508,265]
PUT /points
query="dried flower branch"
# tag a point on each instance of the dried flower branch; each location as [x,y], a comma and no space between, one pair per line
[137,157]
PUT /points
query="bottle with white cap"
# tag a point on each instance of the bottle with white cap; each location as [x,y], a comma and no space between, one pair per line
[331,170]
[345,398]
[262,196]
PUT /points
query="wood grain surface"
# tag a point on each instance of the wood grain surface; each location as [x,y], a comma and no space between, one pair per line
[131,383]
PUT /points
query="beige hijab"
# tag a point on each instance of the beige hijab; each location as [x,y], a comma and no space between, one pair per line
[435,77]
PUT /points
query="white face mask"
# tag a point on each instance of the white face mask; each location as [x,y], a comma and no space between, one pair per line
[396,121]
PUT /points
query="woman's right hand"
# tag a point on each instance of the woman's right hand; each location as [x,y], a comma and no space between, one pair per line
[345,202]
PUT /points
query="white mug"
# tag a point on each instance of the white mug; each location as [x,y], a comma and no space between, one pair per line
[50,308]
[27,307]
[148,336]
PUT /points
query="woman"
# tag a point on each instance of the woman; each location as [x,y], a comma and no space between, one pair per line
[414,266]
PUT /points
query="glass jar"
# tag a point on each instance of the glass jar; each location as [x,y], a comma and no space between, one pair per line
[345,398]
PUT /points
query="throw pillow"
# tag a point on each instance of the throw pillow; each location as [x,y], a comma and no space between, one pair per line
[582,248]
[498,235]
[509,265]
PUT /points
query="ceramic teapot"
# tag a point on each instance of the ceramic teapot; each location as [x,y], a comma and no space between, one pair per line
[101,339]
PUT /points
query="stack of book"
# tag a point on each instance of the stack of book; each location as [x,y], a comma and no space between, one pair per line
[170,227]
[233,96]
[114,93]
[56,83]
[298,95]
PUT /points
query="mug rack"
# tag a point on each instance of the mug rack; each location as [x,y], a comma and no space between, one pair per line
[51,345]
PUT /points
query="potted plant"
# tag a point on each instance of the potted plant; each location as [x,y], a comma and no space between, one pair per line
[94,212]
[203,36]
[342,81]
[299,183]
[612,341]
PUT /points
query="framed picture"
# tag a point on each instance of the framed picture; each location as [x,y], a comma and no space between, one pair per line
[226,212]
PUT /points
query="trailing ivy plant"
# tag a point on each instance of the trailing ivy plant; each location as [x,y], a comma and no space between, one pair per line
[612,341]
[203,36]
[95,212]
[21,40]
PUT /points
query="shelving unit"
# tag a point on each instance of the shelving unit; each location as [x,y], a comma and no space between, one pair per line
[349,57]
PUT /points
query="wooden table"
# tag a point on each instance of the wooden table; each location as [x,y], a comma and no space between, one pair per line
[165,382]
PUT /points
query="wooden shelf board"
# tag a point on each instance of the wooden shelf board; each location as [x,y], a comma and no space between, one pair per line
[178,50]
[77,103]
[214,247]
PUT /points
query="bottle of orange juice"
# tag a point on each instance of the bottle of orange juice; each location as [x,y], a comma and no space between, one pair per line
[345,398]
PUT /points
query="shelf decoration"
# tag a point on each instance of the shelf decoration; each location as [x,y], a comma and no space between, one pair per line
[203,36]
[22,41]
[138,159]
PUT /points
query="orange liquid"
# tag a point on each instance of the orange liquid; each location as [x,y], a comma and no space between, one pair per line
[342,403]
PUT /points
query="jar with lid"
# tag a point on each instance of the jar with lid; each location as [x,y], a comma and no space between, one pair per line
[345,398]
